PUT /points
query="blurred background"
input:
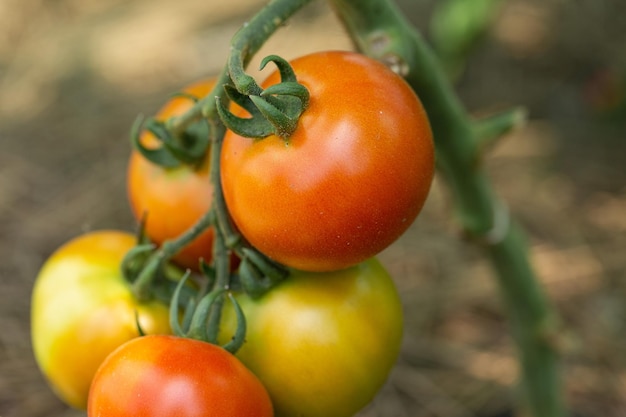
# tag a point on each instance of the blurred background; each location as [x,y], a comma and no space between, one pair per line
[75,73]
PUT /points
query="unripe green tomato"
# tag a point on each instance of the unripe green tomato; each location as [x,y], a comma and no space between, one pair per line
[83,309]
[323,344]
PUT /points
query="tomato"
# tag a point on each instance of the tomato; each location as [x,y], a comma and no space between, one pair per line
[323,344]
[349,180]
[172,376]
[173,198]
[83,308]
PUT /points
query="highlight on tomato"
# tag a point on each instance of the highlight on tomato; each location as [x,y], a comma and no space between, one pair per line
[173,198]
[348,181]
[174,376]
[323,344]
[83,308]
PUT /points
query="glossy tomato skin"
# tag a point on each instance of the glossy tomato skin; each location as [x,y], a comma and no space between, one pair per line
[350,179]
[83,308]
[323,344]
[171,376]
[173,198]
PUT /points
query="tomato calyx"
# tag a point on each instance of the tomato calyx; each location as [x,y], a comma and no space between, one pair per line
[187,147]
[273,111]
[258,274]
[202,317]
[150,279]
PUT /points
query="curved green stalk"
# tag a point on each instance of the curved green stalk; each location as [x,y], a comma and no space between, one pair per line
[142,285]
[379,30]
[245,44]
[253,35]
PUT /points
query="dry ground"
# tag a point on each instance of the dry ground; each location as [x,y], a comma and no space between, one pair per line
[74,74]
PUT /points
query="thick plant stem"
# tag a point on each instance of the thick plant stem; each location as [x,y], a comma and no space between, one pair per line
[379,30]
[534,324]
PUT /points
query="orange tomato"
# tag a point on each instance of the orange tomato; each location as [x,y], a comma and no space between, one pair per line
[348,181]
[173,199]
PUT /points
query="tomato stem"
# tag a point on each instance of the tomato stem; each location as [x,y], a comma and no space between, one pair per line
[379,29]
[253,35]
[143,285]
[244,45]
[279,112]
[222,283]
[270,273]
[231,238]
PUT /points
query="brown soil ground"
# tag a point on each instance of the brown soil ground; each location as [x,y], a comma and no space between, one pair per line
[75,73]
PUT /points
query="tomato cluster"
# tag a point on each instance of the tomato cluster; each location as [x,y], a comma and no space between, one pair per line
[321,203]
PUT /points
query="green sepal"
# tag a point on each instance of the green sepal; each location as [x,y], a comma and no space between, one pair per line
[135,259]
[189,148]
[286,89]
[188,314]
[291,89]
[239,337]
[160,156]
[271,269]
[198,326]
[274,111]
[196,138]
[287,73]
[140,330]
[252,279]
[257,127]
[241,100]
[258,274]
[283,125]
[175,325]
[197,141]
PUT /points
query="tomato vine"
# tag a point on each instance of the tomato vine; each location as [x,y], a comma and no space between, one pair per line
[380,32]
[459,142]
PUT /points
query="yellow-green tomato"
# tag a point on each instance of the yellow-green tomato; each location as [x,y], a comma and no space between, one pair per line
[82,309]
[323,343]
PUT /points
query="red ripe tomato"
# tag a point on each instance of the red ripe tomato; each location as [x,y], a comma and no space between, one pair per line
[349,180]
[171,376]
[173,198]
[83,309]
